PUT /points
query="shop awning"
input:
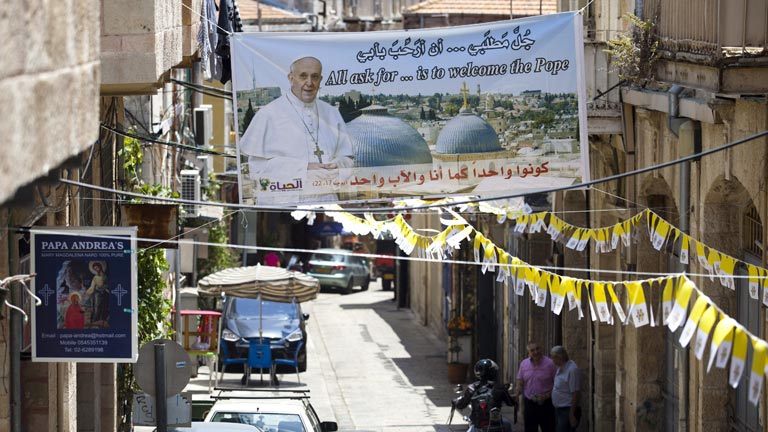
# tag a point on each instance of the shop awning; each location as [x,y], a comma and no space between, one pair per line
[272,283]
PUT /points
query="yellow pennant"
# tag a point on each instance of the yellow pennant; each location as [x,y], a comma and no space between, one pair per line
[615,301]
[693,320]
[660,234]
[753,282]
[725,272]
[573,243]
[684,249]
[722,341]
[542,288]
[684,290]
[758,366]
[739,357]
[705,327]
[598,293]
[667,299]
[638,310]
[557,291]
[479,240]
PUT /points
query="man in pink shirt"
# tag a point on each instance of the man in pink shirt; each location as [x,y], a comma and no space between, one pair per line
[535,379]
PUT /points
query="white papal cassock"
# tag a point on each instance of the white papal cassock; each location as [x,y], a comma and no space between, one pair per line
[281,140]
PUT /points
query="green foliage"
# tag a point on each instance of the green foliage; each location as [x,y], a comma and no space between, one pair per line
[153,308]
[247,117]
[219,257]
[213,186]
[635,55]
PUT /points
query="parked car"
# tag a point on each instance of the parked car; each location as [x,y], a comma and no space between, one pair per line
[283,326]
[384,266]
[278,410]
[339,268]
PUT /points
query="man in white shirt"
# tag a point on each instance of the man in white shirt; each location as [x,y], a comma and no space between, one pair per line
[565,392]
[297,136]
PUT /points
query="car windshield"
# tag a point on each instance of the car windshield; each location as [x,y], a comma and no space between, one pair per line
[268,309]
[266,422]
[328,257]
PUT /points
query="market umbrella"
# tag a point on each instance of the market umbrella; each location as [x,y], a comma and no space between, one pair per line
[271,283]
[260,282]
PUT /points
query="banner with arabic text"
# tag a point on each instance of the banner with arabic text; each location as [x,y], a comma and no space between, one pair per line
[487,109]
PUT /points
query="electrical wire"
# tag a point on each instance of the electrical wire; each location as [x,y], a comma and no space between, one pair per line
[202,88]
[431,206]
[364,255]
[166,143]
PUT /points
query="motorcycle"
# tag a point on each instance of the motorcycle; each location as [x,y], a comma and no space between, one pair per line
[494,423]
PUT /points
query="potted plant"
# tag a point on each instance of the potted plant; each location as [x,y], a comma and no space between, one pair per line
[457,371]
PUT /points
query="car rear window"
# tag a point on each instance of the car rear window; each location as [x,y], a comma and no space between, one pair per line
[263,421]
[328,257]
[250,307]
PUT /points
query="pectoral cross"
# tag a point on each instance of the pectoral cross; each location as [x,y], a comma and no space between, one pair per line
[319,153]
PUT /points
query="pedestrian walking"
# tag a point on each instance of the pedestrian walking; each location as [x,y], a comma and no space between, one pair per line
[535,379]
[566,391]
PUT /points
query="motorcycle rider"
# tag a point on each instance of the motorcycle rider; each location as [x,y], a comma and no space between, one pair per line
[484,395]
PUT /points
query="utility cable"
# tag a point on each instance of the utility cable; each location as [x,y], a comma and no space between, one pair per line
[166,143]
[430,206]
[224,93]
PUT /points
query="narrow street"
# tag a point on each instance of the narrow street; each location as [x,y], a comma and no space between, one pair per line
[371,367]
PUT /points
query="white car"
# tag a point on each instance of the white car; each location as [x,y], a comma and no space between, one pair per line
[268,411]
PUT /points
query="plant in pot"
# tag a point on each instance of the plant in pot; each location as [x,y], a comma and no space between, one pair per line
[457,371]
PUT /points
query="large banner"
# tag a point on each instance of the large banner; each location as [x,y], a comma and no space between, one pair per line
[86,282]
[485,109]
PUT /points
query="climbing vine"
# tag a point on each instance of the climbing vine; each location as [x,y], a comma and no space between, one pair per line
[153,308]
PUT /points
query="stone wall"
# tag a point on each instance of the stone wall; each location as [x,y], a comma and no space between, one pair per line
[48,87]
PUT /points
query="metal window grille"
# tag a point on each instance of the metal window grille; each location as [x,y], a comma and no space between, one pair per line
[752,234]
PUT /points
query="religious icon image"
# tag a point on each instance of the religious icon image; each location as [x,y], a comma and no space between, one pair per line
[99,294]
[70,280]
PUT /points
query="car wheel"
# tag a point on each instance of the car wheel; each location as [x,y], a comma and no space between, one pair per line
[386,284]
[365,284]
[350,285]
[303,360]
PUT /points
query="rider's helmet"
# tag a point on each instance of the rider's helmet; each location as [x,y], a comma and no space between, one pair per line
[486,370]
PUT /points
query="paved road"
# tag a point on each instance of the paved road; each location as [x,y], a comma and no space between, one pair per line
[371,366]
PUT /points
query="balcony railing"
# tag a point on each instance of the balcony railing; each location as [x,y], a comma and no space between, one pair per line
[711,28]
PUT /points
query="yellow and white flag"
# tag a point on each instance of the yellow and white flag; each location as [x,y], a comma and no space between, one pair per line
[684,248]
[479,241]
[667,299]
[660,231]
[617,233]
[765,289]
[601,304]
[713,263]
[542,286]
[754,291]
[701,255]
[722,341]
[615,301]
[725,271]
[693,320]
[684,290]
[758,368]
[706,323]
[739,357]
[489,256]
[638,309]
[519,273]
[573,243]
[557,291]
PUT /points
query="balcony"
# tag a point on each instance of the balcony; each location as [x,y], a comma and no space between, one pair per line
[141,40]
[716,45]
[603,103]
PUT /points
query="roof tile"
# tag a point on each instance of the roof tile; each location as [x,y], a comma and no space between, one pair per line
[485,7]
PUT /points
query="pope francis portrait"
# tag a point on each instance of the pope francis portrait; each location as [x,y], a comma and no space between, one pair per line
[297,136]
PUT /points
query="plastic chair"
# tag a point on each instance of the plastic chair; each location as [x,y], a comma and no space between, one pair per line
[294,362]
[227,360]
[259,356]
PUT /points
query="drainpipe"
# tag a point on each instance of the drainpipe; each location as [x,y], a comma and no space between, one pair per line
[14,340]
[689,140]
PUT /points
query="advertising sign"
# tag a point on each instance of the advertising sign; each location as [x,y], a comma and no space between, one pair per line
[485,109]
[86,281]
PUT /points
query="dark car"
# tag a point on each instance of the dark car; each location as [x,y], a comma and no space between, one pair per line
[282,326]
[339,268]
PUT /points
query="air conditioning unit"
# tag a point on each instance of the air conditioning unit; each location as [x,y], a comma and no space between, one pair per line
[190,190]
[203,125]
